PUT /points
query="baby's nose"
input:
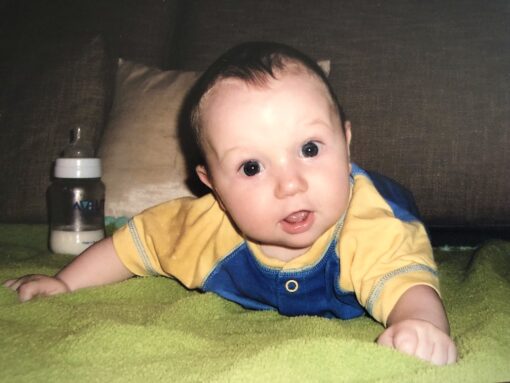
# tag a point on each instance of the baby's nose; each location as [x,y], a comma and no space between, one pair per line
[289,183]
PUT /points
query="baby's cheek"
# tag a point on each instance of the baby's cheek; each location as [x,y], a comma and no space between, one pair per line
[332,192]
[248,211]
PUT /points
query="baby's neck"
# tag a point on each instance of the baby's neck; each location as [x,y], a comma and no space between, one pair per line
[283,254]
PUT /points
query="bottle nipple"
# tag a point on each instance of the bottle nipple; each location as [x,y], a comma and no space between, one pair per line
[76,147]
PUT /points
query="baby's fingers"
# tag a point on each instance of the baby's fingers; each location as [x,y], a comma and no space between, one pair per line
[444,353]
[8,283]
[29,289]
[31,286]
[14,284]
[405,341]
[422,340]
[386,338]
[408,342]
[443,350]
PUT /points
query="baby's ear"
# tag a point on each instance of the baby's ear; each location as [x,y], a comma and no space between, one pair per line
[348,137]
[348,132]
[203,175]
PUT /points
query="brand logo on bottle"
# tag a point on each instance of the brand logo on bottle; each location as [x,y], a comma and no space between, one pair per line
[89,205]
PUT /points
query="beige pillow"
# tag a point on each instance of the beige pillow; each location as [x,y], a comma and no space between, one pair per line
[325,66]
[142,161]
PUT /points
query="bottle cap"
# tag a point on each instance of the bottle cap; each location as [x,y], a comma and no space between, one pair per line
[78,168]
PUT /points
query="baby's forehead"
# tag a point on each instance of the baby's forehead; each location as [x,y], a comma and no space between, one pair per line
[264,79]
[264,82]
[296,93]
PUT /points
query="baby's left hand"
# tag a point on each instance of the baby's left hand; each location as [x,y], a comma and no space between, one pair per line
[421,339]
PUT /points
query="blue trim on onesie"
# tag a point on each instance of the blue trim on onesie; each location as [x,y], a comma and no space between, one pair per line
[314,290]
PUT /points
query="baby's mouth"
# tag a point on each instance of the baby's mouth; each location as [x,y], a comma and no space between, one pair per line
[297,216]
[297,222]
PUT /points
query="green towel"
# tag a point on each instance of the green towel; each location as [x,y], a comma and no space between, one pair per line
[153,329]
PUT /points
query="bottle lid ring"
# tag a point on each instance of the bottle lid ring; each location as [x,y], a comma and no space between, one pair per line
[78,168]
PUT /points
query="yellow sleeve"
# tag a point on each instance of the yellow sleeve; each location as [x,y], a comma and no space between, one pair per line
[183,239]
[382,256]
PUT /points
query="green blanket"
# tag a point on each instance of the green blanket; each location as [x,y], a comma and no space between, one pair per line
[152,329]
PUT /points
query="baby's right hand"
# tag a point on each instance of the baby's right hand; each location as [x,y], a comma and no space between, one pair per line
[36,285]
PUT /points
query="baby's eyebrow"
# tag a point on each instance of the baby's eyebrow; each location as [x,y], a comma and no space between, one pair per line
[318,122]
[230,152]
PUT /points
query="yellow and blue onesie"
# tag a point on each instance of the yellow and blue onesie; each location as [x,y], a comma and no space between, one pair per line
[377,251]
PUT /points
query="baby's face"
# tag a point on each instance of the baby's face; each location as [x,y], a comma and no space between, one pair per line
[278,160]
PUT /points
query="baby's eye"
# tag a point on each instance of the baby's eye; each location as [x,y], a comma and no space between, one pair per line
[251,168]
[310,149]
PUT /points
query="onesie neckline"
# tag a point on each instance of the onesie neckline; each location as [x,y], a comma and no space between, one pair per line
[310,258]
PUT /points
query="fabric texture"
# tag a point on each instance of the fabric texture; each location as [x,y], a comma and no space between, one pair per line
[380,249]
[425,85]
[137,30]
[143,164]
[49,86]
[152,329]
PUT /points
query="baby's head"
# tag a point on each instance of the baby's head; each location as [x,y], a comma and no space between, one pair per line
[254,63]
[275,145]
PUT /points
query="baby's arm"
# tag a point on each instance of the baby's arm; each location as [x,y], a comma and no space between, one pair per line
[98,265]
[418,326]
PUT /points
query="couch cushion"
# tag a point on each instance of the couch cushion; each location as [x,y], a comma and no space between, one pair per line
[425,85]
[143,164]
[48,87]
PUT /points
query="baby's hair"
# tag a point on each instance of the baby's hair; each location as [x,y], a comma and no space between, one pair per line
[255,63]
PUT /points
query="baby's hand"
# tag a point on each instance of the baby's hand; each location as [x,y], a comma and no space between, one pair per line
[35,285]
[421,339]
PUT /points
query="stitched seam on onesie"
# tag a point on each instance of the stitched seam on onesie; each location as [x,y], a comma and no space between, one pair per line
[217,266]
[140,249]
[377,289]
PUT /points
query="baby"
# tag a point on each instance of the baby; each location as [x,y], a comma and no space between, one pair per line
[291,224]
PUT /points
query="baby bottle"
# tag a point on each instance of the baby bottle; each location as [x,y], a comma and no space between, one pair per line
[76,199]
